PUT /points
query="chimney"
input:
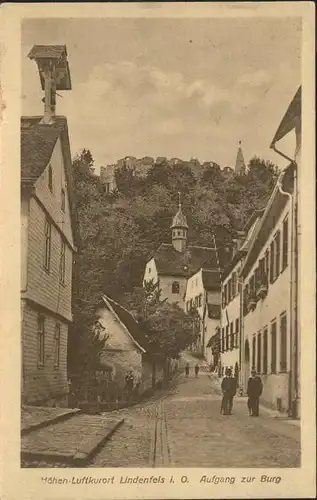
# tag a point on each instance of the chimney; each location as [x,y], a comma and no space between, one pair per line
[54,74]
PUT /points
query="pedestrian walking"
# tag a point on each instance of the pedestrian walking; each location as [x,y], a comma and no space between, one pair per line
[254,391]
[129,380]
[229,389]
[187,369]
[196,370]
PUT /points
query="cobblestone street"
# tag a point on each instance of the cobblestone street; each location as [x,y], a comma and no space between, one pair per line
[184,428]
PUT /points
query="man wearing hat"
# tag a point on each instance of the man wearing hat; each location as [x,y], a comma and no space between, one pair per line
[254,391]
[229,389]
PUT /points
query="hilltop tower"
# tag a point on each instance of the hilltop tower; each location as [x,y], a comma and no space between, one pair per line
[179,229]
[240,168]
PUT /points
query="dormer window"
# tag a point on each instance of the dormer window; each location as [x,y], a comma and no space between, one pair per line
[175,287]
[50,178]
[149,270]
[63,199]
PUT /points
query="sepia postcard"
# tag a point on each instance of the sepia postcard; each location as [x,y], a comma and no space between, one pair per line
[158,250]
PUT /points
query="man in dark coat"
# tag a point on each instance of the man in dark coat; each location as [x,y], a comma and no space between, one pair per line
[255,388]
[229,389]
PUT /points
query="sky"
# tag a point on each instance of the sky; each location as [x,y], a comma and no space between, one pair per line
[185,88]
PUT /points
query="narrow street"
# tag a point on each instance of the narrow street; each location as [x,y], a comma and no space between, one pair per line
[184,428]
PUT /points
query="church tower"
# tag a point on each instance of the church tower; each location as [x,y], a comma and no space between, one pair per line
[179,229]
[240,167]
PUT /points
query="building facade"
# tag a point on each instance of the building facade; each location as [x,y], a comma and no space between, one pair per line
[292,122]
[203,295]
[266,300]
[231,313]
[127,349]
[230,322]
[48,239]
[47,246]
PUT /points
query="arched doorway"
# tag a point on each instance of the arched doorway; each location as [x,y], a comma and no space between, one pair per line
[246,362]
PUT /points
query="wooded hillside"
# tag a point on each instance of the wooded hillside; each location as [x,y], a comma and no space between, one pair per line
[120,231]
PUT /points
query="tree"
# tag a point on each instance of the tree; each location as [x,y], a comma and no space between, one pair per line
[84,162]
[169,329]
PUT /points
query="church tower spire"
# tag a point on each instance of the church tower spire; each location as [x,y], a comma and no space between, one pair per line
[240,167]
[179,229]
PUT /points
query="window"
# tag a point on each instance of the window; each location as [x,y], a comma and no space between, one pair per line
[196,301]
[229,290]
[283,343]
[234,284]
[187,306]
[267,262]
[150,270]
[261,267]
[62,263]
[231,336]
[245,300]
[178,233]
[226,294]
[277,241]
[50,178]
[63,202]
[175,287]
[252,284]
[259,353]
[227,337]
[57,341]
[200,300]
[47,249]
[257,277]
[237,333]
[273,348]
[40,340]
[272,265]
[222,340]
[285,244]
[253,352]
[264,368]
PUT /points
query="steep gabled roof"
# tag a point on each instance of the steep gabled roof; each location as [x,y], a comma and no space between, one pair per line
[236,259]
[37,145]
[256,215]
[211,279]
[179,220]
[267,221]
[291,117]
[170,262]
[129,322]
